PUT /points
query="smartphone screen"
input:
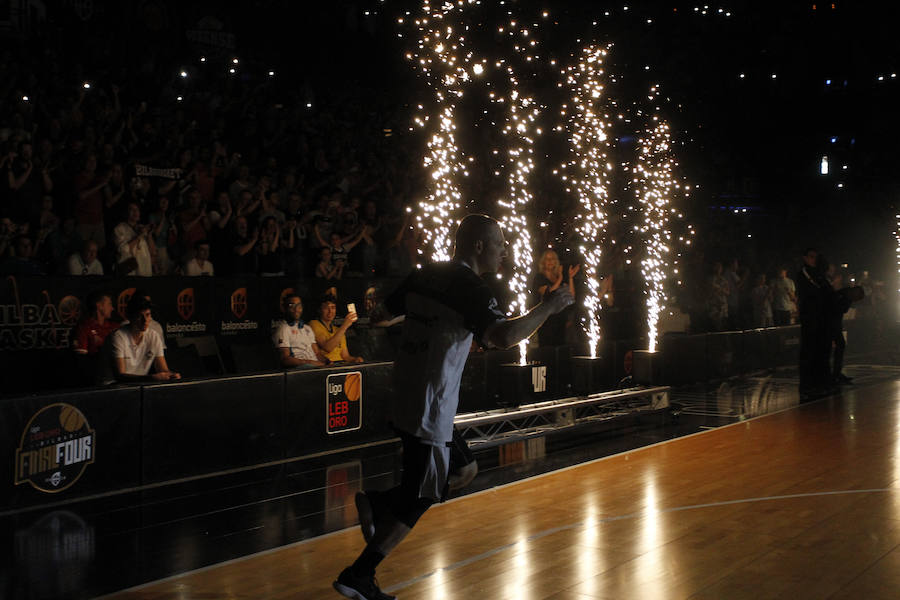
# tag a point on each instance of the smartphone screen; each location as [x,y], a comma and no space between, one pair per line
[351,308]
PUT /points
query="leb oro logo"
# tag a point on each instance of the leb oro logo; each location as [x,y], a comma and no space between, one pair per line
[343,399]
[185,303]
[239,302]
[123,300]
[56,447]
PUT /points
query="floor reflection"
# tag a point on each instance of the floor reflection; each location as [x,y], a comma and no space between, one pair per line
[95,547]
[59,544]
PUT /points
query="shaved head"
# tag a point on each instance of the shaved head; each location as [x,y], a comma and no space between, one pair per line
[480,243]
[474,228]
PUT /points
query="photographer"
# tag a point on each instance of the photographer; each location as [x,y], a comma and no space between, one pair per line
[134,244]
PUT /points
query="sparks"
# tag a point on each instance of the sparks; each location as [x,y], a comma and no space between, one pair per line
[440,58]
[653,183]
[519,128]
[587,173]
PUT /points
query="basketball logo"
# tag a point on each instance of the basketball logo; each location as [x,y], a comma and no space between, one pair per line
[123,300]
[71,418]
[185,303]
[352,386]
[56,446]
[239,302]
[69,310]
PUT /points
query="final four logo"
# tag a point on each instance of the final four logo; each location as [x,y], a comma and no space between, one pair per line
[56,447]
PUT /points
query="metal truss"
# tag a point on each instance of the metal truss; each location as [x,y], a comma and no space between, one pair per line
[494,427]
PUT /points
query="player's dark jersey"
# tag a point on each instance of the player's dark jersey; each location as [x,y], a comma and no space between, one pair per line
[445,304]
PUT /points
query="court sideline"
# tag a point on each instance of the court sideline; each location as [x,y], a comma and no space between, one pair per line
[803,503]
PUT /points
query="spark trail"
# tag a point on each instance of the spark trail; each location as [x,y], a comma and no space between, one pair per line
[587,172]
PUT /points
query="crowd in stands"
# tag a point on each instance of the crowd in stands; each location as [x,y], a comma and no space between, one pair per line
[122,176]
[119,176]
[733,296]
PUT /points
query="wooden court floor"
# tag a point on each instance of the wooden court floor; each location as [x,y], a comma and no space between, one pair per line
[804,503]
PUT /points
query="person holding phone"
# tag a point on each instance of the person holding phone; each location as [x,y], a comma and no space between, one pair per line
[332,340]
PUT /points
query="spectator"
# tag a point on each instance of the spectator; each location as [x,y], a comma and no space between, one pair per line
[241,184]
[22,261]
[270,249]
[294,340]
[761,299]
[243,256]
[220,216]
[735,288]
[164,234]
[154,324]
[838,304]
[114,190]
[136,348]
[548,280]
[134,244]
[89,202]
[194,222]
[812,292]
[48,237]
[717,298]
[784,298]
[367,251]
[93,330]
[246,204]
[340,245]
[377,312]
[8,232]
[199,264]
[332,340]
[25,184]
[326,269]
[270,206]
[85,262]
[219,231]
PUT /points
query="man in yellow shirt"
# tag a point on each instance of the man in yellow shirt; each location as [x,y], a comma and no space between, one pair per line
[332,341]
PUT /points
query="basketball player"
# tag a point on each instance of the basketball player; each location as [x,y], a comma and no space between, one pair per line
[445,305]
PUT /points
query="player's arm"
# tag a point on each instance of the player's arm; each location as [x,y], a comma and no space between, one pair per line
[508,333]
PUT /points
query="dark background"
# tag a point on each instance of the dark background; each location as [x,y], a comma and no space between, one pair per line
[753,143]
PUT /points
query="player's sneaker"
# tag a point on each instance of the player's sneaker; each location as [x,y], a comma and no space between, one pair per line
[359,588]
[366,515]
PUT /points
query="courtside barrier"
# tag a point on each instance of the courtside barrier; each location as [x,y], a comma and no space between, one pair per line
[77,443]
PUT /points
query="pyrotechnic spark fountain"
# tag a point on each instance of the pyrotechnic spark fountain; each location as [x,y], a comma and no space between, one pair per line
[442,59]
[653,183]
[519,129]
[587,172]
[897,239]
